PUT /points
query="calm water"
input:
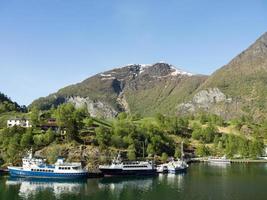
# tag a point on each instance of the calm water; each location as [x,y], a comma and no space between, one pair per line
[202,181]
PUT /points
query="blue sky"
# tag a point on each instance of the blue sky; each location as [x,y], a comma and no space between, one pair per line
[48,44]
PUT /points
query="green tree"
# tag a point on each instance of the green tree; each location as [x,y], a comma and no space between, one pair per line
[208,133]
[164,157]
[27,139]
[66,118]
[49,136]
[256,148]
[178,152]
[13,148]
[231,146]
[39,140]
[88,122]
[202,150]
[150,149]
[131,152]
[197,132]
[243,147]
[34,116]
[103,136]
[122,116]
[117,141]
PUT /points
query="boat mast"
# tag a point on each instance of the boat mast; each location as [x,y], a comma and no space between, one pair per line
[182,150]
[30,153]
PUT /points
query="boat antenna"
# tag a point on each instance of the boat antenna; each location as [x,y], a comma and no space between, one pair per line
[30,153]
[182,150]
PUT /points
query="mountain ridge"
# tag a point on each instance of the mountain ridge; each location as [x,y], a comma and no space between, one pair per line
[243,80]
[107,90]
[237,88]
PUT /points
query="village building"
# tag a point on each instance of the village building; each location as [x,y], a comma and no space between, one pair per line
[22,122]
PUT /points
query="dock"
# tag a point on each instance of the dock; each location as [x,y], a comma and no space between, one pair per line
[205,159]
[247,161]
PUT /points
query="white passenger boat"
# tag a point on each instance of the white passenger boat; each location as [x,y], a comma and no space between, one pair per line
[36,167]
[126,168]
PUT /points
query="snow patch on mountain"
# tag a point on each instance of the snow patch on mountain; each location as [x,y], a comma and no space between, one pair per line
[143,67]
[105,75]
[177,72]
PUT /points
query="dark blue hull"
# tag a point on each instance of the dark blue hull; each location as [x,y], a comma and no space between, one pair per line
[22,173]
[178,171]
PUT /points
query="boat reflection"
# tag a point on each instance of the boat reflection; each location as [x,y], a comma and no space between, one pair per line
[118,184]
[173,180]
[219,165]
[32,187]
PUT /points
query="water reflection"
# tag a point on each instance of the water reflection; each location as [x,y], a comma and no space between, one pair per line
[31,187]
[117,184]
[202,181]
[175,181]
[219,165]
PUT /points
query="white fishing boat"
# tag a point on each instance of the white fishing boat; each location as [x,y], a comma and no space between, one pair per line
[177,166]
[174,166]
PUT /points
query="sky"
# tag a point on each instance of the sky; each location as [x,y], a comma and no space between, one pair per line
[48,44]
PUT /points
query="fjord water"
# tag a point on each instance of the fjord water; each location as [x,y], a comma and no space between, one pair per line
[202,181]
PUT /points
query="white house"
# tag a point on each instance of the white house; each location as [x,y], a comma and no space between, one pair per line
[19,122]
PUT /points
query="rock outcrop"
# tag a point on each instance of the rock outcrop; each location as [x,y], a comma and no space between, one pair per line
[205,100]
[95,108]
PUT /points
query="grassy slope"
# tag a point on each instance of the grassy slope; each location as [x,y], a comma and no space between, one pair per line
[163,97]
[244,79]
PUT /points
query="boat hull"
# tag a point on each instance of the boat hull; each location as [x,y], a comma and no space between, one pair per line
[220,161]
[120,172]
[23,173]
[177,171]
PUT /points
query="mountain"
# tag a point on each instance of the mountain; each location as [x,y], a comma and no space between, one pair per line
[238,88]
[135,88]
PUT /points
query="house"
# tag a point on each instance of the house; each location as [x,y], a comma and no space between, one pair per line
[49,124]
[22,122]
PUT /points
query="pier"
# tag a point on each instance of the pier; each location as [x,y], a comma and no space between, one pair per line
[205,159]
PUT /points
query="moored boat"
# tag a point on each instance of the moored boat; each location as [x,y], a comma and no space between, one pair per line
[128,168]
[36,167]
[219,160]
[162,168]
[174,166]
